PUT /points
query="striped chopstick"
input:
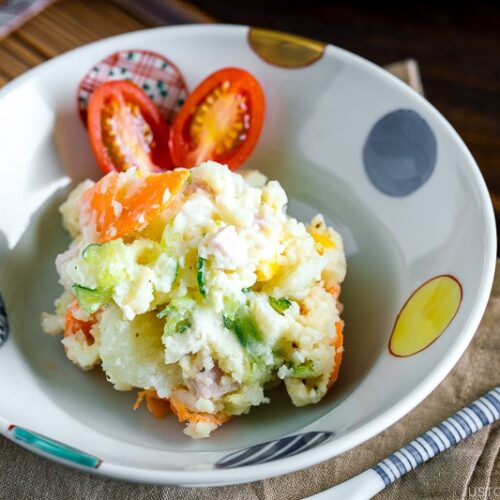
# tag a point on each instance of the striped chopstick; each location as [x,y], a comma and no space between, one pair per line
[449,432]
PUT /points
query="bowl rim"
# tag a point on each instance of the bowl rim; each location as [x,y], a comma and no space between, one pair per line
[367,430]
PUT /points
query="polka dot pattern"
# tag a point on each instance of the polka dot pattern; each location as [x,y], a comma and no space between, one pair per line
[426,315]
[400,153]
[283,49]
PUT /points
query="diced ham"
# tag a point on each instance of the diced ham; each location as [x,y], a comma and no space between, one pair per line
[211,384]
[227,248]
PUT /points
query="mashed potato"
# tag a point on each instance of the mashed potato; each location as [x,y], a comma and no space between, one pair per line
[196,288]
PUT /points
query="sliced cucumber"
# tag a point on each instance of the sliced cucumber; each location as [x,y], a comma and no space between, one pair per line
[237,318]
[90,300]
[304,370]
[106,263]
[176,275]
[279,305]
[228,322]
[231,308]
[200,276]
[166,269]
[178,315]
[89,249]
[169,237]
[247,331]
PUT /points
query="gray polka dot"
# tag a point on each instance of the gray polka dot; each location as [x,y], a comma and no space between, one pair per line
[400,153]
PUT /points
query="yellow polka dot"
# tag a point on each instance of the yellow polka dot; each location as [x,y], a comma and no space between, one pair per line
[426,315]
[284,49]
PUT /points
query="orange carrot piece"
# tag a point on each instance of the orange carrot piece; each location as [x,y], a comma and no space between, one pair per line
[339,349]
[116,211]
[157,406]
[73,325]
[184,414]
[334,291]
[96,207]
[160,407]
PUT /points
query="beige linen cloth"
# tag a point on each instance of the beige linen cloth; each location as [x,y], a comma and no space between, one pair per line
[470,470]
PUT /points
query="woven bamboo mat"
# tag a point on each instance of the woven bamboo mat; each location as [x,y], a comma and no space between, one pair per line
[64,25]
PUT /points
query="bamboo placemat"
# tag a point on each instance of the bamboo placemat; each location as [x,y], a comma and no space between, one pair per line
[63,26]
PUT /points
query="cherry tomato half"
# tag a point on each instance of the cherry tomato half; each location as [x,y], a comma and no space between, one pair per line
[126,129]
[221,120]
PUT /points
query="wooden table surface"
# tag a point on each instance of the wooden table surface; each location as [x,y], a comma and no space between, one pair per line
[457,48]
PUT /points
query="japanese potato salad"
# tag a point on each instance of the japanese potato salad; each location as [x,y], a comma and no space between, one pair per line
[193,286]
[197,290]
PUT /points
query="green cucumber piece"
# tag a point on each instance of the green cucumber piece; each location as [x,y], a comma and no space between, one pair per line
[178,315]
[237,318]
[245,328]
[90,249]
[105,263]
[176,274]
[279,305]
[169,236]
[304,370]
[231,307]
[166,268]
[228,322]
[90,300]
[200,276]
[247,331]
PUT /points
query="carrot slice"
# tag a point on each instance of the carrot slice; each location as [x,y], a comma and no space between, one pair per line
[339,349]
[115,208]
[160,407]
[73,325]
[334,291]
[157,407]
[184,414]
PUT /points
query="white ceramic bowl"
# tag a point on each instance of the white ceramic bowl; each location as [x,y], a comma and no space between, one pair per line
[345,138]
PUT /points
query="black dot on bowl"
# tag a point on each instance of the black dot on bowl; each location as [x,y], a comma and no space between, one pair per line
[400,153]
[4,323]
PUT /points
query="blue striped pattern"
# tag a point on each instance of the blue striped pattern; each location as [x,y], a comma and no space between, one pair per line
[273,450]
[470,419]
[4,323]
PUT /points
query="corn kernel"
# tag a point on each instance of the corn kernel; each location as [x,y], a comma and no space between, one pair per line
[323,240]
[267,270]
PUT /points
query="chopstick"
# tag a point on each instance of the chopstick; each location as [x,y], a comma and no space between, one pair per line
[482,412]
